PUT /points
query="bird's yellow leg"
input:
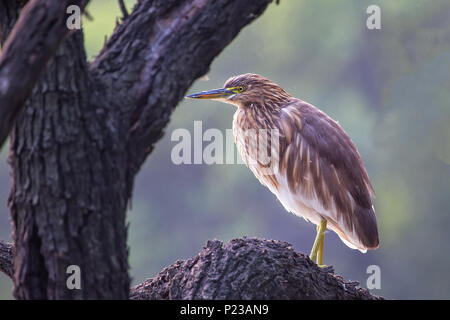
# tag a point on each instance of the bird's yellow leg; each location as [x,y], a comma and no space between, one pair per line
[321,245]
[318,241]
[313,254]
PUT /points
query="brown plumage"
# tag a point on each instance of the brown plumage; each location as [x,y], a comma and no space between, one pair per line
[315,171]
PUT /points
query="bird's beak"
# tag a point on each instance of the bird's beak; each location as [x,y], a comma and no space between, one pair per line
[223,93]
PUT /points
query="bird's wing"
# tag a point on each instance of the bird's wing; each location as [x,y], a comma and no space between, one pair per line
[321,165]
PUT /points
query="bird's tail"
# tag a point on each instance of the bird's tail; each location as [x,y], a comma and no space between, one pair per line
[363,234]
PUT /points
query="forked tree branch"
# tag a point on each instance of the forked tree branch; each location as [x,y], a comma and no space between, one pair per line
[158,52]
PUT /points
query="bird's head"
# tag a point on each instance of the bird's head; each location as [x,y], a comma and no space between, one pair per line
[246,90]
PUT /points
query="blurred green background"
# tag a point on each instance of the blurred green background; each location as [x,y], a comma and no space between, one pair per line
[388,88]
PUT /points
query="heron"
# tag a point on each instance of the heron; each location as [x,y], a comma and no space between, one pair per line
[319,174]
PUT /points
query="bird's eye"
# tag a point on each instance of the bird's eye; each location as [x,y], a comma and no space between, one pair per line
[240,89]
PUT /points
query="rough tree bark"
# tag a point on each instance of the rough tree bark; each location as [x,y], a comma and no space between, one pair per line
[41,28]
[248,269]
[6,258]
[82,130]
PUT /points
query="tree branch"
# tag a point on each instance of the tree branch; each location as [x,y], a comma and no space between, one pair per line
[248,269]
[173,44]
[123,8]
[41,27]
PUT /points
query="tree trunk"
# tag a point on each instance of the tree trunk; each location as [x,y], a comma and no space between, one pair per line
[85,129]
[69,192]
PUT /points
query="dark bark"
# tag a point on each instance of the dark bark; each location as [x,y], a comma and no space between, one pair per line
[6,258]
[241,269]
[84,130]
[32,41]
[248,269]
[123,8]
[68,198]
